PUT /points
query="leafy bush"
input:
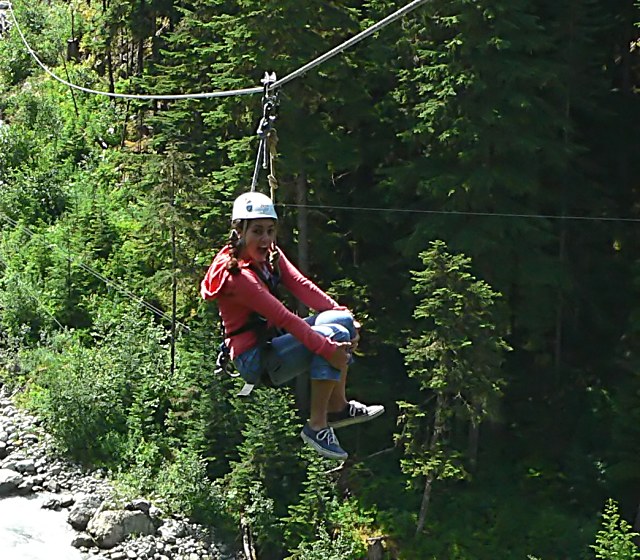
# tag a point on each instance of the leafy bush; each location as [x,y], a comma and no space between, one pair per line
[615,541]
[184,486]
[99,400]
[326,547]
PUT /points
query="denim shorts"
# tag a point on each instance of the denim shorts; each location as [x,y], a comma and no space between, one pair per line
[285,357]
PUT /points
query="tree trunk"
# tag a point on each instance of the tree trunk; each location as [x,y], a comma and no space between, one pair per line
[303,224]
[174,272]
[375,549]
[112,83]
[247,540]
[473,444]
[438,430]
[424,506]
[302,381]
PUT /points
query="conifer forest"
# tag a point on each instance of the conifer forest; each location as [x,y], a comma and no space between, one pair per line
[466,180]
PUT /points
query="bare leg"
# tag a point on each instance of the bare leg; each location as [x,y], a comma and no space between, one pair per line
[338,398]
[321,390]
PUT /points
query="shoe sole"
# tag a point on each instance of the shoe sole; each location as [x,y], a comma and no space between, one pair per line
[324,452]
[355,420]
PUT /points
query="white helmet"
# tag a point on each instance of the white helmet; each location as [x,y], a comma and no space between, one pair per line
[253,205]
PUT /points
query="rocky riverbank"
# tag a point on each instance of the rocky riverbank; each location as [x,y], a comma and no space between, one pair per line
[136,530]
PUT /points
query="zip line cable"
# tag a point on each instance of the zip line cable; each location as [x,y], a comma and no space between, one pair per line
[167,317]
[350,42]
[99,276]
[462,213]
[228,93]
[246,91]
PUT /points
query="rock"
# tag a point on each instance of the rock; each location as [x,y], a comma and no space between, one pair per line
[140,505]
[67,500]
[83,510]
[10,480]
[83,540]
[3,449]
[51,503]
[108,528]
[37,480]
[172,530]
[26,466]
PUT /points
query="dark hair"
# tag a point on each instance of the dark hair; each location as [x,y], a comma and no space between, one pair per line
[235,244]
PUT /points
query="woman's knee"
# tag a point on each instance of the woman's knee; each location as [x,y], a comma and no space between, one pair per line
[334,331]
[337,317]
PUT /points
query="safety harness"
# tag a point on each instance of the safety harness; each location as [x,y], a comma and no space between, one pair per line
[256,323]
[267,153]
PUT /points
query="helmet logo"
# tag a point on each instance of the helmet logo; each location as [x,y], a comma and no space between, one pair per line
[249,206]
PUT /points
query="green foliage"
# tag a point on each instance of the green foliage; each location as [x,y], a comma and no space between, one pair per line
[327,547]
[43,24]
[615,540]
[262,480]
[322,523]
[461,348]
[93,398]
[456,357]
[184,486]
[484,108]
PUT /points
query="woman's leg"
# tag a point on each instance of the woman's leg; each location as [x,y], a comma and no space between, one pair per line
[321,391]
[340,411]
[289,358]
[337,399]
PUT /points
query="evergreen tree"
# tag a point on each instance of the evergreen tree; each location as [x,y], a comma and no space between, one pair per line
[456,359]
[262,481]
[614,541]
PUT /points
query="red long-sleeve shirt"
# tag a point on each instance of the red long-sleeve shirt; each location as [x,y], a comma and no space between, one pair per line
[241,294]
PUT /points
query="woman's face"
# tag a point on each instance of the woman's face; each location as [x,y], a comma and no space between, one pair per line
[258,238]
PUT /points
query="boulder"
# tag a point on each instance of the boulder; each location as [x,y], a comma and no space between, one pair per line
[108,528]
[83,540]
[26,466]
[83,510]
[10,480]
[173,530]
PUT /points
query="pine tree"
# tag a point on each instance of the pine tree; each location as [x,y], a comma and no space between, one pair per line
[614,541]
[456,360]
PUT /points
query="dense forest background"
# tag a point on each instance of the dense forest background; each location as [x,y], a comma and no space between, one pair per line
[466,180]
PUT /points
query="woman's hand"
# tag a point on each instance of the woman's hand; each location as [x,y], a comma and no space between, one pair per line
[356,338]
[340,357]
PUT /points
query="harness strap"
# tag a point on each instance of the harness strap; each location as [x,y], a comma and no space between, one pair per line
[256,323]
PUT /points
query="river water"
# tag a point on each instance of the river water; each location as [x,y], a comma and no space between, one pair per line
[28,532]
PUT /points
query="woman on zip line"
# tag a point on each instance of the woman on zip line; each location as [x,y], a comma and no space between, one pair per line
[270,344]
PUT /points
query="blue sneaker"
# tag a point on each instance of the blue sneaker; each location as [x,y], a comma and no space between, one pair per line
[324,441]
[354,413]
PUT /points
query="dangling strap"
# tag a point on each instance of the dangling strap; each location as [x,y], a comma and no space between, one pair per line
[268,137]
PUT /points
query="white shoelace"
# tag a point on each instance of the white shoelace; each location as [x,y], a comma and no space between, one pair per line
[355,406]
[328,435]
